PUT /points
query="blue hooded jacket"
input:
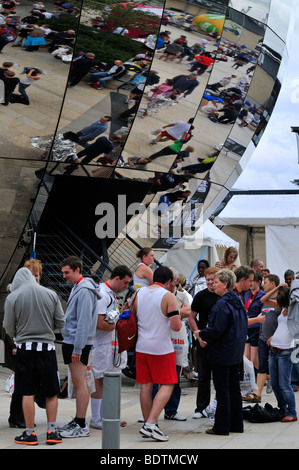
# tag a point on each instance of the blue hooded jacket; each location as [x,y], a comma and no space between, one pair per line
[81,315]
[226,332]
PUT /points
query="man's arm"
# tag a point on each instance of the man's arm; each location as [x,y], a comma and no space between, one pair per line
[192,322]
[171,310]
[103,325]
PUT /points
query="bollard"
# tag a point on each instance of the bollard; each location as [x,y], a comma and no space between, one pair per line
[111,410]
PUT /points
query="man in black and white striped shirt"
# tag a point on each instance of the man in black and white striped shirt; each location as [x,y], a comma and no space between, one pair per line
[31,314]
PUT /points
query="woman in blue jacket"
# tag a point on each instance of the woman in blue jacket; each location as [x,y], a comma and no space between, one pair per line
[225,337]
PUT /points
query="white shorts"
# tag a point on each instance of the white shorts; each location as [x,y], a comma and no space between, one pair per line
[105,358]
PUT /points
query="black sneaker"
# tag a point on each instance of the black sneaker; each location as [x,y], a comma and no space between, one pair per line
[53,438]
[30,440]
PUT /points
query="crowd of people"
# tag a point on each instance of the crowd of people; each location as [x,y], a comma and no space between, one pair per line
[225,313]
[28,33]
[198,57]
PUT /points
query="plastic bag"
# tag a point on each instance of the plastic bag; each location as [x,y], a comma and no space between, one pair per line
[248,383]
[10,383]
[89,380]
[180,346]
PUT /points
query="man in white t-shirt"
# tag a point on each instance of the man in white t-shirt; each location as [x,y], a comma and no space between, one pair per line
[121,31]
[176,130]
[104,341]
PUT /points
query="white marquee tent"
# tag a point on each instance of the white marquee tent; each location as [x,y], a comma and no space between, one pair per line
[279,214]
[185,255]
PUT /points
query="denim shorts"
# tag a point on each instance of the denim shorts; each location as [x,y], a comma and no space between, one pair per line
[263,356]
[253,336]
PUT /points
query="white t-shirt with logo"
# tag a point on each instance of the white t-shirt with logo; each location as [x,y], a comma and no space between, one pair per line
[106,303]
[178,129]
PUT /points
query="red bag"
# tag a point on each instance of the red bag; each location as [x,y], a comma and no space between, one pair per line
[126,333]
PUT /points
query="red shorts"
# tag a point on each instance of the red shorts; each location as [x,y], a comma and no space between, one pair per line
[168,135]
[156,369]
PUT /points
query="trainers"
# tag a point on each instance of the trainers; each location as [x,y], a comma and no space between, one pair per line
[197,415]
[74,430]
[30,440]
[208,413]
[175,417]
[153,432]
[97,424]
[66,426]
[53,438]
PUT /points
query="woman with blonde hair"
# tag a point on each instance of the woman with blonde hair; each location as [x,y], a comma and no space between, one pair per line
[228,261]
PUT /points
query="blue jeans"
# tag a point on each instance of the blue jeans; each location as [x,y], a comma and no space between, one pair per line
[105,77]
[280,367]
[22,90]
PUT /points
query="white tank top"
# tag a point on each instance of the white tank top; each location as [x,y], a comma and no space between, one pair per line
[140,281]
[282,338]
[154,332]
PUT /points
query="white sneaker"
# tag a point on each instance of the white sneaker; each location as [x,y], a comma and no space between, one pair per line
[97,424]
[153,432]
[208,413]
[74,430]
[175,417]
[66,426]
[197,415]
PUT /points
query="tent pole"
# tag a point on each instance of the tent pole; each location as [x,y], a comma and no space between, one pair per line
[199,261]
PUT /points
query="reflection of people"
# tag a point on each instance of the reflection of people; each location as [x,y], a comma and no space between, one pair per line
[10,83]
[172,149]
[81,66]
[157,314]
[94,130]
[32,312]
[225,338]
[223,82]
[175,130]
[115,70]
[32,76]
[201,63]
[185,83]
[101,145]
[204,165]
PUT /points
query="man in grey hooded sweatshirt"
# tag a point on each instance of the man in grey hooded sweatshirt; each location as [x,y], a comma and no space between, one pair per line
[31,314]
[78,335]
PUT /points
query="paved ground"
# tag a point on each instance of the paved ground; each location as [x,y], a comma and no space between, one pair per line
[187,436]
